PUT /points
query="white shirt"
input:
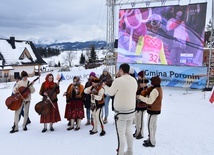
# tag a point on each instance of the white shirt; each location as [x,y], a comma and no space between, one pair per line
[124,91]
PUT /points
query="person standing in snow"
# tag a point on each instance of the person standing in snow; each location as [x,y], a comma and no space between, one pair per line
[25,103]
[124,91]
[107,78]
[97,102]
[22,111]
[74,108]
[49,90]
[140,110]
[154,102]
[87,99]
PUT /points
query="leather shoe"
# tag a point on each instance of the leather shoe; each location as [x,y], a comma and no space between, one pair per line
[69,123]
[13,127]
[139,136]
[70,128]
[28,122]
[51,129]
[44,130]
[25,128]
[102,133]
[146,141]
[148,144]
[87,123]
[93,132]
[77,128]
[13,131]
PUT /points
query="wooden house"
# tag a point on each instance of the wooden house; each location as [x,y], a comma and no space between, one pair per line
[16,56]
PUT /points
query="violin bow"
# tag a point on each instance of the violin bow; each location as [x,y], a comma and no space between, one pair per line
[51,101]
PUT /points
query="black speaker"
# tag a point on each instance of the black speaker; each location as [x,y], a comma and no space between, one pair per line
[16,75]
[116,43]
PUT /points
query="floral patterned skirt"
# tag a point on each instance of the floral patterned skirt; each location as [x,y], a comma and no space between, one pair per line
[74,110]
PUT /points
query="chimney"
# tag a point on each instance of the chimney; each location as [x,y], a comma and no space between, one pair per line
[12,42]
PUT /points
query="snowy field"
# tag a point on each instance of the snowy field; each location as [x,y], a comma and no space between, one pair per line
[185,127]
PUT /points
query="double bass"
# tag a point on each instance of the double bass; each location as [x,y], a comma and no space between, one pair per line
[43,107]
[14,102]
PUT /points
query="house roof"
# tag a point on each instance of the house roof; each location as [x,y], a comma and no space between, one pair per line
[7,68]
[18,52]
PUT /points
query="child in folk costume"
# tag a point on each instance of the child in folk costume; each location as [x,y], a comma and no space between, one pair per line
[74,108]
[140,110]
[97,103]
[49,90]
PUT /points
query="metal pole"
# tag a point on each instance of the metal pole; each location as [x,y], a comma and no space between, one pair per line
[211,41]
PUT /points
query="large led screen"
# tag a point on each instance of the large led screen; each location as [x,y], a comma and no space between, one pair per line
[168,35]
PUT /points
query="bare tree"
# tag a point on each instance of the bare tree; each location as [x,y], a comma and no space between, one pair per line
[69,57]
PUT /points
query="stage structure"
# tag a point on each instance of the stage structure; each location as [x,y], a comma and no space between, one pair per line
[110,39]
[133,46]
[110,30]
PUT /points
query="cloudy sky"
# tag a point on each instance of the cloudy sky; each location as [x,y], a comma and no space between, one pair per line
[60,19]
[66,20]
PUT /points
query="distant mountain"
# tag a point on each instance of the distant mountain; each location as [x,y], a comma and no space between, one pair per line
[74,45]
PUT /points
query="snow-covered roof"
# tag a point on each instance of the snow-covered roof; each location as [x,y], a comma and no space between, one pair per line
[6,68]
[22,53]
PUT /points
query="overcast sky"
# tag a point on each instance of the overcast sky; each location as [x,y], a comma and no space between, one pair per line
[74,20]
[66,20]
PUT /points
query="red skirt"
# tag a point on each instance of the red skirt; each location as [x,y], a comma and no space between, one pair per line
[53,117]
[74,110]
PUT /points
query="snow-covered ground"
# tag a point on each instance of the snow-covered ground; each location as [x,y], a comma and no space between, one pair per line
[185,126]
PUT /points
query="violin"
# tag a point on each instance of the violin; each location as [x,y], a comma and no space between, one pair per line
[147,91]
[14,102]
[43,107]
[144,93]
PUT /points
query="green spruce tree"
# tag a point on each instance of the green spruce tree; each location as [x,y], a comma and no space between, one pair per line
[93,55]
[82,59]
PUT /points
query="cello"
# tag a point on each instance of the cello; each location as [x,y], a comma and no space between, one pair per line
[43,107]
[14,102]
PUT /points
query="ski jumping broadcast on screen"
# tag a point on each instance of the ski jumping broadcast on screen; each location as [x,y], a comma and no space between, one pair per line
[165,40]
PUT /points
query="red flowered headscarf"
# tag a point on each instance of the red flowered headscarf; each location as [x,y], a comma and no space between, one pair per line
[48,84]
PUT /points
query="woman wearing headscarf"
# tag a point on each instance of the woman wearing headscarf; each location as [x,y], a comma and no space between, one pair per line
[74,108]
[49,90]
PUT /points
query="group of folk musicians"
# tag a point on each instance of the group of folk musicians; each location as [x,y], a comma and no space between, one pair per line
[131,99]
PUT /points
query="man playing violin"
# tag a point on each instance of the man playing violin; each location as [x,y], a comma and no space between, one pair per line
[97,102]
[154,104]
[26,102]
